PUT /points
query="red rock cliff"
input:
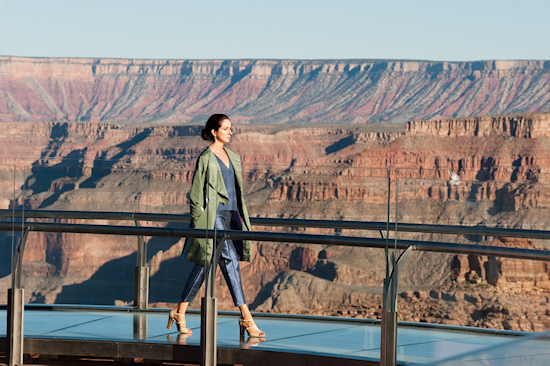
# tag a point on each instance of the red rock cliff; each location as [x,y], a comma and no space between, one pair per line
[266,91]
[325,172]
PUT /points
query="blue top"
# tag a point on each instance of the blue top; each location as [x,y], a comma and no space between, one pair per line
[228,175]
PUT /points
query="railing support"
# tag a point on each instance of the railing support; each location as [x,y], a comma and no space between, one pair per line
[16,306]
[388,349]
[15,314]
[141,275]
[209,321]
[388,327]
[209,310]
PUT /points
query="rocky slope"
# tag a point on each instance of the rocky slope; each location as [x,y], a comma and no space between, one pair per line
[322,172]
[267,91]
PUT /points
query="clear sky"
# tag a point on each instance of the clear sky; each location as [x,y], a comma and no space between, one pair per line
[450,30]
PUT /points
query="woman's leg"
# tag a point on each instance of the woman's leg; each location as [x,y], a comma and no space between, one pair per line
[232,275]
[194,282]
[229,260]
[229,264]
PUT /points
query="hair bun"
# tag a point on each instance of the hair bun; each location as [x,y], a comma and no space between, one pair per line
[206,135]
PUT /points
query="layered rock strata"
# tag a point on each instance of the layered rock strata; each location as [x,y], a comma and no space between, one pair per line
[267,91]
[338,173]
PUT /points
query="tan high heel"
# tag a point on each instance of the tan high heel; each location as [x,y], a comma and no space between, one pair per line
[179,325]
[250,327]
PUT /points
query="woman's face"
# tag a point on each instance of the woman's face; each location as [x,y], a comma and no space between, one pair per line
[223,134]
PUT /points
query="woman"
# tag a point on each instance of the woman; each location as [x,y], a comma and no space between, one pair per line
[217,201]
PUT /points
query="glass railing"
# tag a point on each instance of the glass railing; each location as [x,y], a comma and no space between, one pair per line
[10,178]
[437,288]
[474,290]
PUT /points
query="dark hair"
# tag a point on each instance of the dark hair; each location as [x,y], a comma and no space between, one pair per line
[213,123]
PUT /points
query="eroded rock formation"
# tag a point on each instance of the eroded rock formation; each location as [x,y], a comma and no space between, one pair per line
[266,91]
[323,172]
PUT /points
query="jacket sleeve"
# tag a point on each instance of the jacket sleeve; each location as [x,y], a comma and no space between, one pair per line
[196,195]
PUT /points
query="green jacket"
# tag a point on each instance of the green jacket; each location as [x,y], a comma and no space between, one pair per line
[207,191]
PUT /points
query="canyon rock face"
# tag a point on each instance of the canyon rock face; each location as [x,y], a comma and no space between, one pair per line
[266,91]
[338,173]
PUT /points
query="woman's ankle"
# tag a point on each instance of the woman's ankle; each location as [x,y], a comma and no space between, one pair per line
[181,308]
[245,312]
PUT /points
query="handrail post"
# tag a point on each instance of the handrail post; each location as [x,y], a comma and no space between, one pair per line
[16,306]
[209,310]
[388,327]
[141,275]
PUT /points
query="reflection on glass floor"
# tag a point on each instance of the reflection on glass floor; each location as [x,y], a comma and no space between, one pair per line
[533,350]
[322,336]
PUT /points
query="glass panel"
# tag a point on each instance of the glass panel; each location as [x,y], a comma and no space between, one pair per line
[8,197]
[311,278]
[473,290]
[270,280]
[71,268]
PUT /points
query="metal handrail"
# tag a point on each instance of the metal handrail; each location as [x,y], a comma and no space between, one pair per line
[354,241]
[95,215]
[265,221]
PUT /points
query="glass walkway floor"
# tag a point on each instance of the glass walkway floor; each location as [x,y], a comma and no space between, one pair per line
[291,340]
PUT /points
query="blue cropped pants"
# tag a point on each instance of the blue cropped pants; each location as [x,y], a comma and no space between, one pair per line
[229,263]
